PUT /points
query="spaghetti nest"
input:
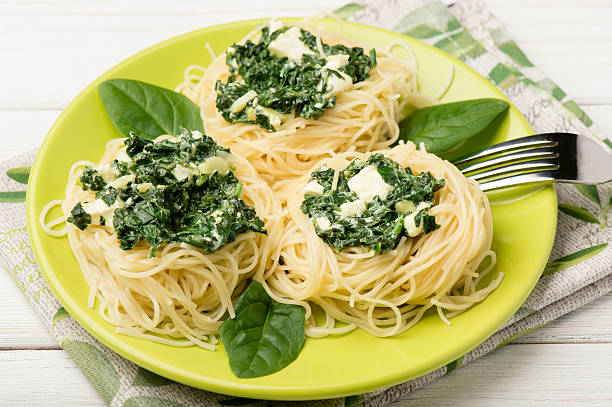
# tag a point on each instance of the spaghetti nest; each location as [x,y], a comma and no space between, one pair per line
[364,118]
[181,292]
[386,294]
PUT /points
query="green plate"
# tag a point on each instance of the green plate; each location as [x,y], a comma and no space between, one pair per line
[524,222]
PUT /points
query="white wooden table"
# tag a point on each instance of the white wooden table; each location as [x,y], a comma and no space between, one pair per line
[50,50]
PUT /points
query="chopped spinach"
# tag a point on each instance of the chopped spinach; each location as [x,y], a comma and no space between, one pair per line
[380,223]
[90,179]
[79,217]
[179,190]
[276,87]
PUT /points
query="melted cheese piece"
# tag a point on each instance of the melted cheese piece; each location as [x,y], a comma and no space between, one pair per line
[107,172]
[122,182]
[410,226]
[313,188]
[180,172]
[274,25]
[214,164]
[275,118]
[122,156]
[368,183]
[338,85]
[323,223]
[98,208]
[240,103]
[405,206]
[336,62]
[144,187]
[354,208]
[288,44]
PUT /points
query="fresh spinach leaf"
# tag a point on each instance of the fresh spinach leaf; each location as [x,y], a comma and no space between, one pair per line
[265,336]
[443,127]
[342,218]
[148,110]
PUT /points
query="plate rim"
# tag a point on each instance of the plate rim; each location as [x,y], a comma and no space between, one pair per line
[244,389]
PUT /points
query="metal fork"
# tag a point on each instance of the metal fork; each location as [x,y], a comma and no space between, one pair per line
[542,158]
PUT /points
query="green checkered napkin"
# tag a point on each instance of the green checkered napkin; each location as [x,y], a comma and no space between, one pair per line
[579,270]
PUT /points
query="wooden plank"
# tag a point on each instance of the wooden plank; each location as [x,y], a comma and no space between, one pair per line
[23,130]
[42,378]
[21,328]
[20,325]
[526,375]
[589,324]
[82,40]
[602,117]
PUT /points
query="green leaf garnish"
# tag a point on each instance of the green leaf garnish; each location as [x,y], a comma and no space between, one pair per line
[265,336]
[444,127]
[148,110]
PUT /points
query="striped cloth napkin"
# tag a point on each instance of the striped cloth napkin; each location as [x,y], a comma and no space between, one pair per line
[578,272]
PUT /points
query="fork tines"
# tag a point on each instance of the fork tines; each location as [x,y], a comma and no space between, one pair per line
[515,162]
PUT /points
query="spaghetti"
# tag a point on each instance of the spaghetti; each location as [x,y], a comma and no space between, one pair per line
[364,119]
[386,294]
[181,295]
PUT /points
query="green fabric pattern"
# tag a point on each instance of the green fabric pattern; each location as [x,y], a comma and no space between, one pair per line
[150,401]
[145,377]
[19,174]
[572,259]
[578,213]
[579,274]
[96,366]
[12,196]
[59,315]
[454,365]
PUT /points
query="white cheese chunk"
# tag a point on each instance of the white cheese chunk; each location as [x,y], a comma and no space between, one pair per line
[323,223]
[196,134]
[337,85]
[214,164]
[288,44]
[354,208]
[144,187]
[107,172]
[97,209]
[410,226]
[405,206]
[274,24]
[275,118]
[180,172]
[313,188]
[336,62]
[121,182]
[240,103]
[368,183]
[122,156]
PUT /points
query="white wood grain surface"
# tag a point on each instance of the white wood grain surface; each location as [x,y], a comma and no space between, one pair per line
[50,50]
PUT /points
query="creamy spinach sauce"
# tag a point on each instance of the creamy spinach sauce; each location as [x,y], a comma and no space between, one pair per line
[374,204]
[284,75]
[180,189]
